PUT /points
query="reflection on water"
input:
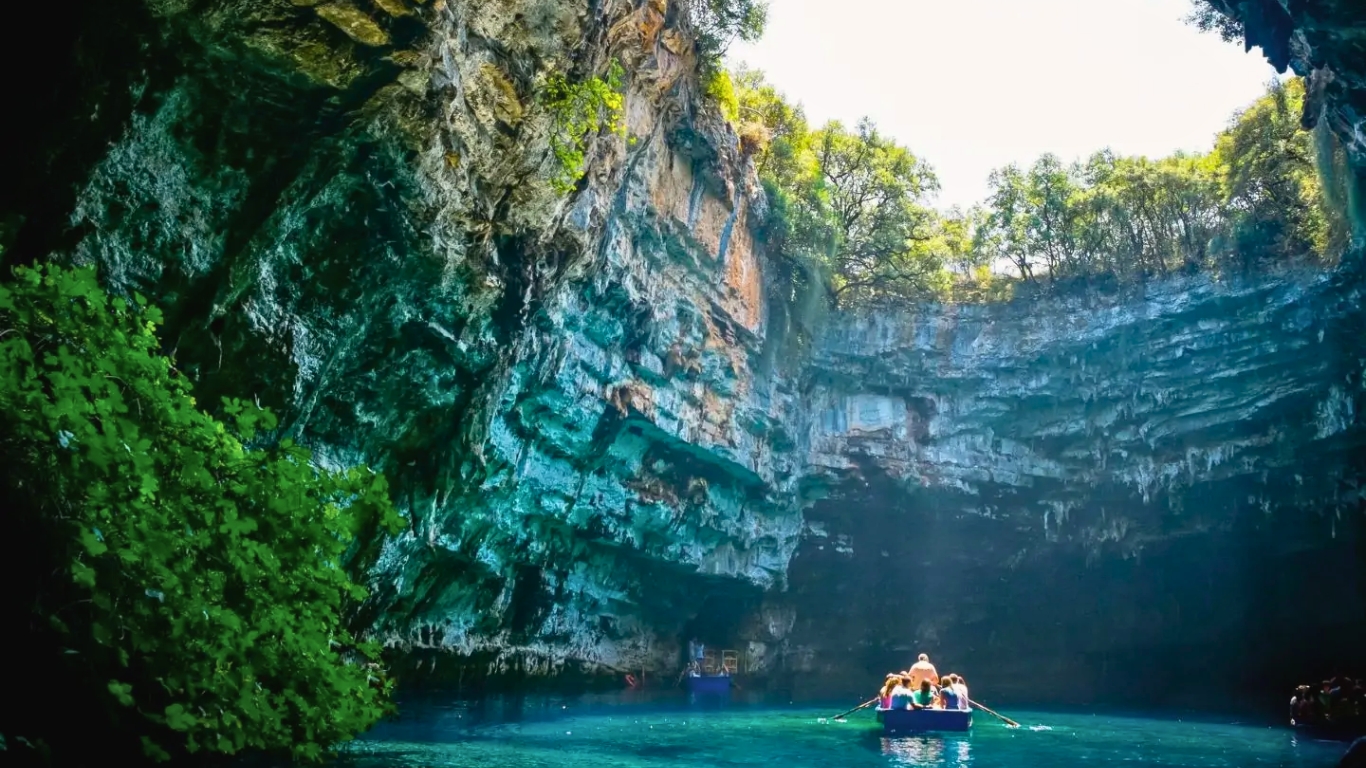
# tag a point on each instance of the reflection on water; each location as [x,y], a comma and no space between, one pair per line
[928,751]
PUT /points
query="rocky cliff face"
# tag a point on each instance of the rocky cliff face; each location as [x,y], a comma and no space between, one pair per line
[1069,489]
[1062,414]
[345,209]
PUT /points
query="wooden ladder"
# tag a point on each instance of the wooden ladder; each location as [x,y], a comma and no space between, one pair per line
[730,661]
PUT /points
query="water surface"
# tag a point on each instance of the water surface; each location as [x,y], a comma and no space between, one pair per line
[610,732]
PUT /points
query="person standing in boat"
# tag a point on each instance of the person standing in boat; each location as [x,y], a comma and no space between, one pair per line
[922,670]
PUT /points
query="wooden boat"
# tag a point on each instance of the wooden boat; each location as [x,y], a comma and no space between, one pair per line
[898,721]
[708,684]
[1346,731]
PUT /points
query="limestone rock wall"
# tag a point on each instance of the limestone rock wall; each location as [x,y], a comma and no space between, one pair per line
[345,209]
[1074,415]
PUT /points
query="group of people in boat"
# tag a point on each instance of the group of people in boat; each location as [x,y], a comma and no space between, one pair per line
[922,687]
[1338,701]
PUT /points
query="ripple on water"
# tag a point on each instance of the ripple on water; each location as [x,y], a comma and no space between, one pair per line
[575,736]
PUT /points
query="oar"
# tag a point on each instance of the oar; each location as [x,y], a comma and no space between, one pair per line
[873,700]
[998,715]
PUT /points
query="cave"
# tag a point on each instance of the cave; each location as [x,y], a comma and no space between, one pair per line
[604,418]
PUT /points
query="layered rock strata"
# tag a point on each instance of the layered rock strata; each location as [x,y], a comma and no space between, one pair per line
[345,209]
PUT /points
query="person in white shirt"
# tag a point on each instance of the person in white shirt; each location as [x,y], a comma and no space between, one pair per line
[921,670]
[962,689]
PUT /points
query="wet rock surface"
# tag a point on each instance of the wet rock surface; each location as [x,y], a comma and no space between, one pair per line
[1064,414]
[345,210]
[1097,498]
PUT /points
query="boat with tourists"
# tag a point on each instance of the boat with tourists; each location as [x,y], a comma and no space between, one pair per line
[899,721]
[709,672]
[920,700]
[1336,711]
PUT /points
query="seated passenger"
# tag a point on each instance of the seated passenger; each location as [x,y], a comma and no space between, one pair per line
[924,697]
[885,694]
[921,670]
[901,694]
[948,697]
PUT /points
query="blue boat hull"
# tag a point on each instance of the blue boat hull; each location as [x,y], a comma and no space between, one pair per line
[709,684]
[921,720]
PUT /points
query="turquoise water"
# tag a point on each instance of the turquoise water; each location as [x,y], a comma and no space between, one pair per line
[606,733]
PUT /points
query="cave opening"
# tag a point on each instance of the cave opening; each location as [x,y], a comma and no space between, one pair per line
[672,402]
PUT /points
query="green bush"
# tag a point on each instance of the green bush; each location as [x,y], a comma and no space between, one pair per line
[579,110]
[180,592]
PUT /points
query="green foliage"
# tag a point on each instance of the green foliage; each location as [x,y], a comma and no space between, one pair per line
[872,195]
[721,90]
[1257,198]
[719,22]
[1270,180]
[183,592]
[785,155]
[850,224]
[579,111]
[852,201]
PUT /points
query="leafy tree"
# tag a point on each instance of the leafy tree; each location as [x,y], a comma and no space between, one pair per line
[786,156]
[847,207]
[717,23]
[1005,231]
[873,192]
[1271,183]
[1256,198]
[173,590]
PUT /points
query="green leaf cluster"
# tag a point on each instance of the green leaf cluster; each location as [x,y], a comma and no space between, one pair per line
[578,111]
[186,592]
[721,90]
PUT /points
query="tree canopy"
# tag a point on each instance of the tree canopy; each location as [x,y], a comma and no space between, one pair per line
[851,203]
[852,208]
[1255,199]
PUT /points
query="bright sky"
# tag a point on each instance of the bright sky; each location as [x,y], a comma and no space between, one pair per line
[972,85]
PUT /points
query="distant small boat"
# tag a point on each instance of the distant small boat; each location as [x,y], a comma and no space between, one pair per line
[708,684]
[897,721]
